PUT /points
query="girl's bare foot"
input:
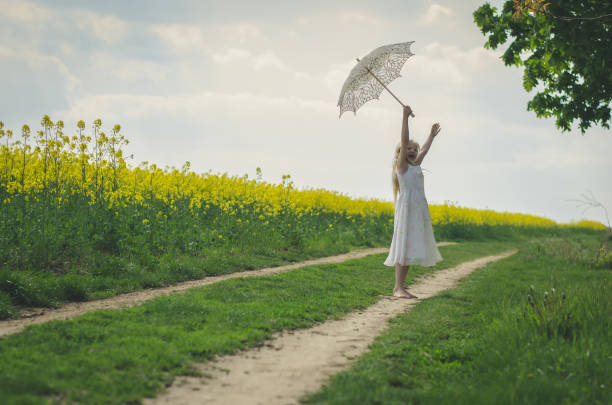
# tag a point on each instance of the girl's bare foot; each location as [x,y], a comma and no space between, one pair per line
[410,295]
[401,293]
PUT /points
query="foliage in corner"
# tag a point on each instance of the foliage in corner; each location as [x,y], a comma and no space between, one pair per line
[566,59]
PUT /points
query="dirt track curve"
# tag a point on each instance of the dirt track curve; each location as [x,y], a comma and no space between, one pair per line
[293,364]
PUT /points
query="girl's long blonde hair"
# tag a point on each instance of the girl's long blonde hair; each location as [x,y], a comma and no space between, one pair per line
[394,179]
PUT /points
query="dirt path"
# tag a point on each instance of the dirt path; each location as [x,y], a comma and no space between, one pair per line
[74,309]
[293,364]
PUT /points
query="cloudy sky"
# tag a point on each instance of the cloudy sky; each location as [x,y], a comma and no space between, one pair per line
[235,85]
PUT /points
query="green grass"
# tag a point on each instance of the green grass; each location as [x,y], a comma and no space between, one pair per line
[101,275]
[121,356]
[104,275]
[531,329]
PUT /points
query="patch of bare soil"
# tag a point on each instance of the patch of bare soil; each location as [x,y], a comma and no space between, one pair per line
[71,310]
[295,363]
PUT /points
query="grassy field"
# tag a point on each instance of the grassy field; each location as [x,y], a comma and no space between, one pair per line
[119,356]
[113,275]
[531,329]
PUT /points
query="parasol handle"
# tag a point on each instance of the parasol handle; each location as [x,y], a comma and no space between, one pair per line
[386,88]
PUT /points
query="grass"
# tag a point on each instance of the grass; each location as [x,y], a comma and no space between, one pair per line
[530,329]
[102,275]
[106,275]
[121,356]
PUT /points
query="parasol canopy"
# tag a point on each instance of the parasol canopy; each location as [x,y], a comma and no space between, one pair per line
[372,74]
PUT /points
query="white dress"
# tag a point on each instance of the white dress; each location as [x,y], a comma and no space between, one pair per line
[413,239]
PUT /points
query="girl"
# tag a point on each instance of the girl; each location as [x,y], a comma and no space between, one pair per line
[413,240]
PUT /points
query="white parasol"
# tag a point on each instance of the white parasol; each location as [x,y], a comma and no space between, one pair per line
[372,74]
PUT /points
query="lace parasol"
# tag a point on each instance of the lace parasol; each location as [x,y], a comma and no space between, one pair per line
[372,74]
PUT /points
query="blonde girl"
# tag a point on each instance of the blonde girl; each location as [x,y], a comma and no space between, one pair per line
[413,240]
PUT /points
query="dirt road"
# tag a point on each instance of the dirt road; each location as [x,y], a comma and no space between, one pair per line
[293,364]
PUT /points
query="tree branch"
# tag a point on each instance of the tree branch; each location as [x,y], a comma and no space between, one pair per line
[589,201]
[561,18]
[540,7]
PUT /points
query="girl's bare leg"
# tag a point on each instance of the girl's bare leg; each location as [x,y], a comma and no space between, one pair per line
[400,278]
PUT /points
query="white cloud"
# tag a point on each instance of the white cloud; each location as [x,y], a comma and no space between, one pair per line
[66,49]
[109,29]
[542,154]
[230,56]
[23,11]
[326,21]
[434,14]
[42,63]
[268,60]
[474,57]
[302,75]
[6,52]
[263,61]
[134,105]
[182,37]
[438,70]
[217,39]
[449,63]
[361,18]
[234,33]
[336,75]
[128,69]
[224,44]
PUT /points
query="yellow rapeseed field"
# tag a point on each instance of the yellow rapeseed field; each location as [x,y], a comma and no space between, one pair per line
[54,166]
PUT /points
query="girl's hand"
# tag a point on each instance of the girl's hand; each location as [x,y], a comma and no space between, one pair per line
[407,111]
[435,128]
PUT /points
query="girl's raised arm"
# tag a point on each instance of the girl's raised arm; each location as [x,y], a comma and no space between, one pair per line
[435,128]
[404,139]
